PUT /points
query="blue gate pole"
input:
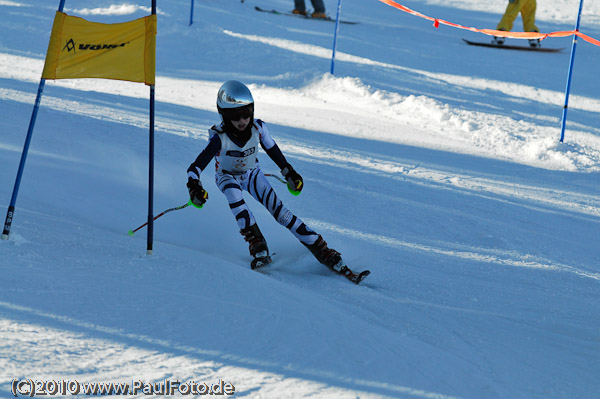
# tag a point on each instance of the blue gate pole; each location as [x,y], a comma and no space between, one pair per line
[192,13]
[337,28]
[150,238]
[151,176]
[11,208]
[568,89]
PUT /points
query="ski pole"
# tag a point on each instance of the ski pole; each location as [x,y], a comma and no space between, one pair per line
[132,232]
[276,177]
[292,191]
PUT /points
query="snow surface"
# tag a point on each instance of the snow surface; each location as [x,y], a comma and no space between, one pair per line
[435,164]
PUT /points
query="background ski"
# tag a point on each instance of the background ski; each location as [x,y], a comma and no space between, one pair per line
[304,16]
[513,47]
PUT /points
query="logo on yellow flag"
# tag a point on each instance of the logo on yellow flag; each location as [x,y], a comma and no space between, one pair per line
[71,46]
[83,49]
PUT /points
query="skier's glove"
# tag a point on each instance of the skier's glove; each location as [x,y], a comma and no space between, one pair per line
[294,180]
[197,194]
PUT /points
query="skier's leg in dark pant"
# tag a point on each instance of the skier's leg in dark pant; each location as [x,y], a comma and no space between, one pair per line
[260,188]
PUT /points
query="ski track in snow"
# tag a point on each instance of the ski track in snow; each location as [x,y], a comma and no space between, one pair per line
[485,255]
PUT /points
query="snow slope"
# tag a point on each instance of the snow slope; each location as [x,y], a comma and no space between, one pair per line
[435,164]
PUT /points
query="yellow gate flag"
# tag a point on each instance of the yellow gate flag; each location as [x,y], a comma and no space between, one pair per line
[83,49]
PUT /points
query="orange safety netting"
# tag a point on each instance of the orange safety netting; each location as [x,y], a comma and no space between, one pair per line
[493,32]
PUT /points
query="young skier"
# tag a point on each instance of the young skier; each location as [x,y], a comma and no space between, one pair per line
[234,145]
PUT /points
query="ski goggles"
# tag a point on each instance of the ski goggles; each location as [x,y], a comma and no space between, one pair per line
[235,114]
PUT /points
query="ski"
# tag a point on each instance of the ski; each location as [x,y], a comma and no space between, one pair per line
[304,16]
[345,271]
[356,278]
[514,47]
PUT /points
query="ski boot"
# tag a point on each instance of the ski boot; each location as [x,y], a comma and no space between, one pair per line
[498,40]
[257,246]
[299,12]
[318,15]
[327,256]
[333,260]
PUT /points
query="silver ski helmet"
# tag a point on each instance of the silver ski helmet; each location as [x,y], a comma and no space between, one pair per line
[235,100]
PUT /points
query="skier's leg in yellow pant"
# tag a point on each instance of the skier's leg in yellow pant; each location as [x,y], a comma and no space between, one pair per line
[511,13]
[528,15]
